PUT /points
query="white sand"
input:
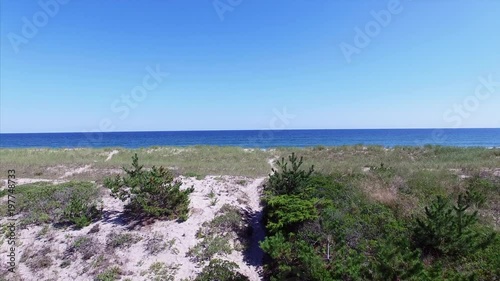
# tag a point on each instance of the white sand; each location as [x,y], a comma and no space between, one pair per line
[75,171]
[110,155]
[134,260]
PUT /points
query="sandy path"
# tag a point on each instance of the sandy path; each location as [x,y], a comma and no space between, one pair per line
[110,155]
[255,254]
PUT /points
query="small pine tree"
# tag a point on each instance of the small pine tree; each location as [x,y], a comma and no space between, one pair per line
[289,181]
[151,193]
[449,230]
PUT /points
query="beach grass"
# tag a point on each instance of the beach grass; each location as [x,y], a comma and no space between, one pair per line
[401,176]
[403,159]
[215,160]
[196,160]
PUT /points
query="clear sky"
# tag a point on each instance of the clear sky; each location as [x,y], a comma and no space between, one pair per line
[80,65]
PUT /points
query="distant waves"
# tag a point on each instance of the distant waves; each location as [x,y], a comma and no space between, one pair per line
[489,138]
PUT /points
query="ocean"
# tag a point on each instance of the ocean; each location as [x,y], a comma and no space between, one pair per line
[258,139]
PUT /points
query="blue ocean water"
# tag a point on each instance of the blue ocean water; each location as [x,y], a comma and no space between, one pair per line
[259,139]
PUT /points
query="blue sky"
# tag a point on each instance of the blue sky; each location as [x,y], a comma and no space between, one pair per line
[235,64]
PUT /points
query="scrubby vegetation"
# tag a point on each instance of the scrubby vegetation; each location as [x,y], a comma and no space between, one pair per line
[157,244]
[221,270]
[109,274]
[152,192]
[37,259]
[160,271]
[323,227]
[360,213]
[121,240]
[72,203]
[220,236]
[86,246]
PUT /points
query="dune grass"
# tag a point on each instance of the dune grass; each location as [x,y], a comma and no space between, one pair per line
[402,176]
[214,160]
[197,160]
[403,159]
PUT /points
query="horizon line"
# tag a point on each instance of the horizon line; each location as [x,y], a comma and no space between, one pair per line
[236,130]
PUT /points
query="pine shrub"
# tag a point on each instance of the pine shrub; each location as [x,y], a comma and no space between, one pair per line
[449,230]
[152,193]
[221,270]
[289,180]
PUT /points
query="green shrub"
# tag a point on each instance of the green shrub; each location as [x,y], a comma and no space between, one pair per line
[288,180]
[228,222]
[209,247]
[449,230]
[151,193]
[293,259]
[228,225]
[73,202]
[111,274]
[286,212]
[80,212]
[221,270]
[395,260]
[160,271]
[478,190]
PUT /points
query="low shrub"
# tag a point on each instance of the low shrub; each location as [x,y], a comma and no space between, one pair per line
[38,259]
[209,247]
[228,225]
[110,274]
[479,190]
[152,193]
[155,244]
[221,270]
[228,222]
[160,271]
[287,212]
[80,212]
[121,240]
[449,230]
[74,203]
[84,245]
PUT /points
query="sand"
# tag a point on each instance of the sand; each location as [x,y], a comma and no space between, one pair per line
[135,260]
[110,155]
